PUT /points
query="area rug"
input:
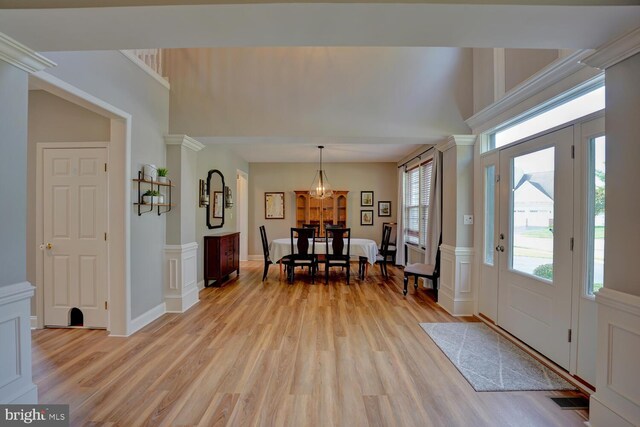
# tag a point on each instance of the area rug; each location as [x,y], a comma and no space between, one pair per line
[489,361]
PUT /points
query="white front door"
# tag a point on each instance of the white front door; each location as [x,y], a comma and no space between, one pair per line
[535,243]
[74,226]
[488,295]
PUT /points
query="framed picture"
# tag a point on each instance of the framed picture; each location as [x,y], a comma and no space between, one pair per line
[366,217]
[366,198]
[384,208]
[218,203]
[274,205]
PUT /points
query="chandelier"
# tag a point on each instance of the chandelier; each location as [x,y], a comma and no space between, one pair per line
[320,188]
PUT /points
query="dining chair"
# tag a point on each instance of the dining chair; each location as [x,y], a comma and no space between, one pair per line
[265,251]
[392,240]
[316,226]
[337,254]
[305,256]
[428,271]
[384,253]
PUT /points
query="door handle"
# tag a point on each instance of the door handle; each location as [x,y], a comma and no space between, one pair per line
[500,248]
[47,246]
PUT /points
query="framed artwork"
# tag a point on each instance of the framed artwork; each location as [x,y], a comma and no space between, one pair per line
[384,208]
[218,204]
[274,205]
[366,198]
[366,217]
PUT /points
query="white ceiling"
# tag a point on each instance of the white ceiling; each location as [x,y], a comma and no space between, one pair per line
[319,24]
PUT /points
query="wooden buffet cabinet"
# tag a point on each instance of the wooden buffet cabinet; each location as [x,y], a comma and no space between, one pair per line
[334,210]
[221,256]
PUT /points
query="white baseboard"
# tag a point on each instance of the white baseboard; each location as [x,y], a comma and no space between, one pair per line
[34,322]
[180,304]
[146,318]
[255,257]
[617,400]
[200,285]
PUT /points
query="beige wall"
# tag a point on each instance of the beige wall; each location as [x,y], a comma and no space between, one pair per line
[483,84]
[623,175]
[52,119]
[381,178]
[520,64]
[320,91]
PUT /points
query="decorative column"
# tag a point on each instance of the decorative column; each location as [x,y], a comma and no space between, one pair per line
[456,294]
[616,401]
[181,250]
[16,62]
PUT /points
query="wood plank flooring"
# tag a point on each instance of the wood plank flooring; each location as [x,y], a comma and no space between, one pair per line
[274,354]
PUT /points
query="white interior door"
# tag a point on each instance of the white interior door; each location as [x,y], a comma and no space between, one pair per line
[535,243]
[74,226]
[488,295]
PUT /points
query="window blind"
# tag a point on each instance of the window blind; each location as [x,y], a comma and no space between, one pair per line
[412,206]
[425,189]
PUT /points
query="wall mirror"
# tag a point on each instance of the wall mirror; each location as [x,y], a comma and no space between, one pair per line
[215,208]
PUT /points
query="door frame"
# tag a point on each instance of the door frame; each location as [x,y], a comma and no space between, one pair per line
[119,197]
[242,219]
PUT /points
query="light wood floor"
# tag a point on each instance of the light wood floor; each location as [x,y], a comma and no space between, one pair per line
[275,354]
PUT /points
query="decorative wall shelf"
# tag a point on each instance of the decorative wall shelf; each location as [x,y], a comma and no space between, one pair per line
[145,184]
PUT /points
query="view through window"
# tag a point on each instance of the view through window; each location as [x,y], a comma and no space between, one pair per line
[595,238]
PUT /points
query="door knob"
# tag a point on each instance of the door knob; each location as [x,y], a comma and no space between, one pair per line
[49,246]
[500,248]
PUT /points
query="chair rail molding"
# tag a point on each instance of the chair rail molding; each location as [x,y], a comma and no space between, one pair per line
[181,277]
[16,382]
[19,55]
[617,397]
[456,292]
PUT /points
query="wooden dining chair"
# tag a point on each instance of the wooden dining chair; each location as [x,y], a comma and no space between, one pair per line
[428,271]
[392,250]
[265,251]
[305,256]
[384,254]
[337,254]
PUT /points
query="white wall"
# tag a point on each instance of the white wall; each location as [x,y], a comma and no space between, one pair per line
[110,76]
[381,178]
[13,184]
[623,175]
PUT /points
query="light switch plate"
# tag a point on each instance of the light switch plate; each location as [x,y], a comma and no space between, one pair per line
[468,219]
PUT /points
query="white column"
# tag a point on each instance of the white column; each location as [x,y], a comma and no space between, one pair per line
[456,293]
[181,251]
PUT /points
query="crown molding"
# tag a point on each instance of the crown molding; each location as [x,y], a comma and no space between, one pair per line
[543,79]
[18,55]
[185,141]
[144,67]
[615,51]
[455,140]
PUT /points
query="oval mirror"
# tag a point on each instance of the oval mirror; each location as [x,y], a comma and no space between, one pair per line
[215,208]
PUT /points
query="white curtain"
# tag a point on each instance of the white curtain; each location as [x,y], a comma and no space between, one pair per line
[434,219]
[400,219]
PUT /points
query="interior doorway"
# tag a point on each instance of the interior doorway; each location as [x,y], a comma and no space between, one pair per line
[242,219]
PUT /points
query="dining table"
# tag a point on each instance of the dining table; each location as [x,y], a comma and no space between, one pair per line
[368,248]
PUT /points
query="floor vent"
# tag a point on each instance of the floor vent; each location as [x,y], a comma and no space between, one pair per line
[574,403]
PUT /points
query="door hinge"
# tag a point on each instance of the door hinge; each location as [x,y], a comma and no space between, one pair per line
[571,244]
[573,151]
[569,336]
[105,237]
[106,305]
[105,167]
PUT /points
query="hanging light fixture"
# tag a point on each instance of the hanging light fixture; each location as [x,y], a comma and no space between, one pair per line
[320,189]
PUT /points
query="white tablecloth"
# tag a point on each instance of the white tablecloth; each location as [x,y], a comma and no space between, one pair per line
[359,247]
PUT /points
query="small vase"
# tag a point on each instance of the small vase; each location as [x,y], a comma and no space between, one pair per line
[148,200]
[162,179]
[150,172]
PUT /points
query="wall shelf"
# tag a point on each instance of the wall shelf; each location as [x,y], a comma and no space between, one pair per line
[146,184]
